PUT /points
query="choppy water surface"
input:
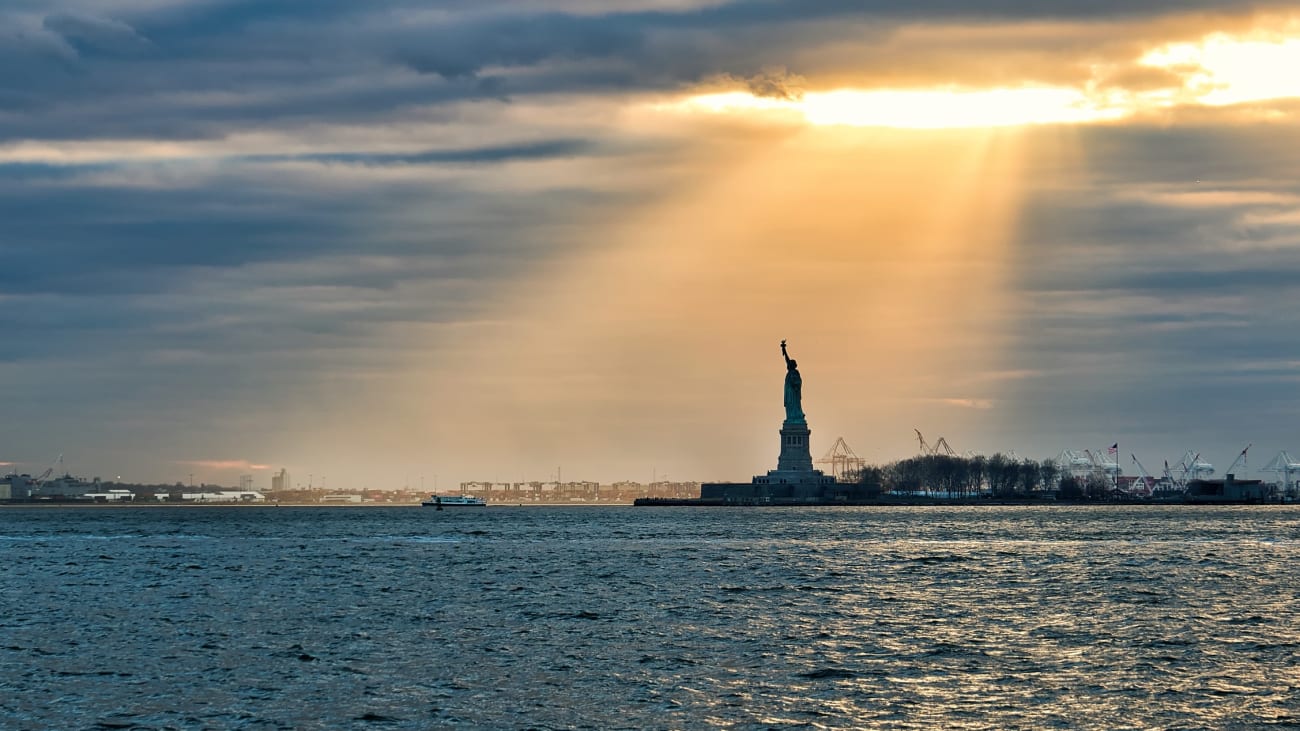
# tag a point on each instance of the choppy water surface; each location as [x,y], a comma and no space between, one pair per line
[620,617]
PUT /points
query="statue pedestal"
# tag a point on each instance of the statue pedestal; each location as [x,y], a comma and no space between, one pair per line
[793,482]
[796,454]
[794,476]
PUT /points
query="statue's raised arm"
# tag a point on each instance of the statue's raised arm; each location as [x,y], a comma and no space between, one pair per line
[785,354]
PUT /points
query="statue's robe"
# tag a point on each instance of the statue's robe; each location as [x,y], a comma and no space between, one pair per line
[793,395]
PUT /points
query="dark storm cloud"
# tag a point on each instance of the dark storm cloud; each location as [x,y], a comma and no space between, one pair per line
[461,51]
[44,171]
[126,238]
[539,150]
[146,229]
[502,153]
[91,36]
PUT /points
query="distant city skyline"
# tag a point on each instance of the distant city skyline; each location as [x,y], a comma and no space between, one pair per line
[374,242]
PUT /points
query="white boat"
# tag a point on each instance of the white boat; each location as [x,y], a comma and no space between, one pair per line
[437,501]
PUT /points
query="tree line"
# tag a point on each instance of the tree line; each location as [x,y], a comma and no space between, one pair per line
[1001,475]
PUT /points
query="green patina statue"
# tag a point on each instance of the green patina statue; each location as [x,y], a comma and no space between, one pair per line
[793,389]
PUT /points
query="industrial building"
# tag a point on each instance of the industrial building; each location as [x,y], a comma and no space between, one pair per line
[584,491]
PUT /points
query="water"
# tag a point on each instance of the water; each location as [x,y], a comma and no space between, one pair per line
[658,618]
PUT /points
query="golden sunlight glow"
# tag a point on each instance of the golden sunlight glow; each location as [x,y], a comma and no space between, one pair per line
[1221,70]
[921,108]
[1218,70]
[946,109]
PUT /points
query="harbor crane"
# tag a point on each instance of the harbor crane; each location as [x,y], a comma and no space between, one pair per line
[940,447]
[1148,482]
[1075,464]
[1192,467]
[48,471]
[845,464]
[1169,478]
[1104,468]
[1284,465]
[1240,460]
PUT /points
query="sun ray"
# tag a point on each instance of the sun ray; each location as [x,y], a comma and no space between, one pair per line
[887,256]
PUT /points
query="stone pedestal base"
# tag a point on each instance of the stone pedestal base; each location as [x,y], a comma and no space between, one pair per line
[796,454]
[793,482]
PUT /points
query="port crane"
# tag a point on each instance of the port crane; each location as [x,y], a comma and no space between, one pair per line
[1169,478]
[940,447]
[1103,465]
[1240,460]
[37,480]
[844,463]
[1286,466]
[1148,482]
[1075,464]
[1191,467]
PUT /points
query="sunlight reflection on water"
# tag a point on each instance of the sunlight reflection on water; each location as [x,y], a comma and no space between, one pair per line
[999,617]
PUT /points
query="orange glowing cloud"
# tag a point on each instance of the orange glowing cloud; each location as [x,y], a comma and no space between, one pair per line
[967,403]
[1215,70]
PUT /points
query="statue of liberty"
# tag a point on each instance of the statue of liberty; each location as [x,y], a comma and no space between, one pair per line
[793,389]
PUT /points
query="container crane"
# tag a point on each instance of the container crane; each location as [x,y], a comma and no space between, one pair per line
[845,464]
[1284,465]
[941,447]
[1240,460]
[925,448]
[1192,467]
[1148,482]
[49,471]
[1073,463]
[931,450]
[1169,478]
[1107,468]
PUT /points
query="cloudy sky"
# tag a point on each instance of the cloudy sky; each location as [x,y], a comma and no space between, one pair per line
[379,242]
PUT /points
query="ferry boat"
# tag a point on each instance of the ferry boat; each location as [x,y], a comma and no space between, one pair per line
[435,501]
